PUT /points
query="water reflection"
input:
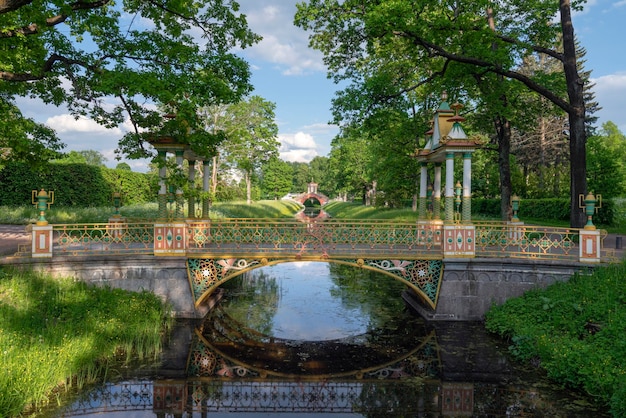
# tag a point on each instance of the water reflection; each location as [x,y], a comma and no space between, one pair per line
[329,340]
[312,214]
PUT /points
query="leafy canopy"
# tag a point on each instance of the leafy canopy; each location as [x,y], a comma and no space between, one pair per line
[114,60]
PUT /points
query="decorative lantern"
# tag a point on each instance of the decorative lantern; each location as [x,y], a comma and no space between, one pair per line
[117,203]
[42,201]
[515,206]
[591,205]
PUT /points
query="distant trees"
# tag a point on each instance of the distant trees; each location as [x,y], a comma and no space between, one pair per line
[276,178]
[89,157]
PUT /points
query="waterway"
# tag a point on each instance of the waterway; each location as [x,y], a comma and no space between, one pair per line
[323,339]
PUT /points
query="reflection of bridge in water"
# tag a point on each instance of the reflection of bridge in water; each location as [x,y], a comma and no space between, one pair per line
[212,381]
[225,347]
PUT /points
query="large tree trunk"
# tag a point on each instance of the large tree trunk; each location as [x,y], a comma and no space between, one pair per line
[577,132]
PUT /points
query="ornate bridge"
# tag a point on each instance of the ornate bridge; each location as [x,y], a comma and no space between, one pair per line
[414,253]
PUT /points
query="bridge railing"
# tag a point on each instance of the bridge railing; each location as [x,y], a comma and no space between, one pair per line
[103,238]
[287,237]
[526,241]
[331,238]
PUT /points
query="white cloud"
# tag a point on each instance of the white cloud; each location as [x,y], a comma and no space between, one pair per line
[298,147]
[298,155]
[283,43]
[610,91]
[66,123]
[298,140]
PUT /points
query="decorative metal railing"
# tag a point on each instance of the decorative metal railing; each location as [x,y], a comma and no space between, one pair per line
[327,239]
[526,241]
[103,238]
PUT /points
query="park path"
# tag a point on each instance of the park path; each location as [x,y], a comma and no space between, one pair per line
[11,236]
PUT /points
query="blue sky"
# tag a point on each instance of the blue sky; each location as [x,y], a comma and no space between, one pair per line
[288,73]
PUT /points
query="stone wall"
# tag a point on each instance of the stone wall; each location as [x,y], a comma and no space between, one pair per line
[471,286]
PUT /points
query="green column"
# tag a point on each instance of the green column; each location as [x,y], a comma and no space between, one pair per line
[162,196]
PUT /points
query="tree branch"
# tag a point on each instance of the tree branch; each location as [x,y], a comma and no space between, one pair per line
[7,6]
[489,66]
[33,29]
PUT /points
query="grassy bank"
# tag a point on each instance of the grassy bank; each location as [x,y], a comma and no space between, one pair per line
[23,215]
[575,331]
[57,333]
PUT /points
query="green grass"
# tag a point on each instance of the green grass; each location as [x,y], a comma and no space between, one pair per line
[351,210]
[148,211]
[575,331]
[57,333]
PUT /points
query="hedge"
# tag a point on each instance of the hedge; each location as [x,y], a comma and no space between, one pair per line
[79,185]
[557,209]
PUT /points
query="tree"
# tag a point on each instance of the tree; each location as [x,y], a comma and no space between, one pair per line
[138,53]
[488,36]
[89,157]
[349,162]
[23,139]
[276,179]
[605,165]
[123,166]
[251,137]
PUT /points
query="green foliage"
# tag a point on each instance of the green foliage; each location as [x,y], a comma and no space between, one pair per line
[90,157]
[78,185]
[62,332]
[44,47]
[26,139]
[575,330]
[276,179]
[606,153]
[548,210]
[135,187]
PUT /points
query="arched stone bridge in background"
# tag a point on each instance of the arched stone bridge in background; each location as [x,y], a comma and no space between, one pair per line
[312,196]
[451,270]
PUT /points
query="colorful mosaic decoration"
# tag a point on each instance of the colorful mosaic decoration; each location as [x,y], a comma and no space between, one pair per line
[423,276]
[204,362]
[205,274]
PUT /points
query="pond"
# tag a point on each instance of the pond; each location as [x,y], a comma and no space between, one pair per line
[325,339]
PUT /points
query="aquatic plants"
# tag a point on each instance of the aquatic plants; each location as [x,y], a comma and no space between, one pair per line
[57,333]
[573,330]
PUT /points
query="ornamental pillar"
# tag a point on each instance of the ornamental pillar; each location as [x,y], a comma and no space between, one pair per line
[162,196]
[449,192]
[191,204]
[423,191]
[206,180]
[179,192]
[467,188]
[437,192]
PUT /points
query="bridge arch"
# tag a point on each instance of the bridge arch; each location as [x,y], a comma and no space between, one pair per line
[312,196]
[423,276]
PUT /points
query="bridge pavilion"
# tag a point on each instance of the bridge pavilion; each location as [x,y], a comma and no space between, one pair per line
[446,140]
[168,145]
